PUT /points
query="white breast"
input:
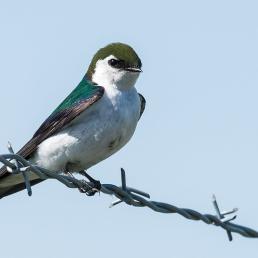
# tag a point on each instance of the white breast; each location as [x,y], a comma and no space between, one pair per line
[97,133]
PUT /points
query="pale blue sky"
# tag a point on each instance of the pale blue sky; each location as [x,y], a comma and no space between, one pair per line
[198,135]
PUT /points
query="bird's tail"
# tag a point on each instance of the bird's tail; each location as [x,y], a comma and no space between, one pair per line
[12,183]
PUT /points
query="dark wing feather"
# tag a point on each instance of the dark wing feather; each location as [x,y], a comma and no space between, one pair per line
[143,104]
[52,125]
[58,121]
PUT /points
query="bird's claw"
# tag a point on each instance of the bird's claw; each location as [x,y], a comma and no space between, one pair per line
[90,187]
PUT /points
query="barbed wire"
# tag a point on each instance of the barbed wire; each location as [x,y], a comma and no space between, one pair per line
[128,195]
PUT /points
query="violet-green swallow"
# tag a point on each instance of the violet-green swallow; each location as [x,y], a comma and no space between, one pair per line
[96,120]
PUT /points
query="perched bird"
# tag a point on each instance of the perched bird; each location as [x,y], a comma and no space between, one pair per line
[96,120]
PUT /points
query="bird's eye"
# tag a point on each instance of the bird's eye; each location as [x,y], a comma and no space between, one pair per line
[113,62]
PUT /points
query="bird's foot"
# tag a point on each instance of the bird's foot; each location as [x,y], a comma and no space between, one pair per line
[92,186]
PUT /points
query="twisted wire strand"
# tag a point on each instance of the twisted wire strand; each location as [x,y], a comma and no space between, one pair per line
[138,201]
[128,195]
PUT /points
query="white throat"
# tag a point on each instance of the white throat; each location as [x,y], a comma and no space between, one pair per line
[108,76]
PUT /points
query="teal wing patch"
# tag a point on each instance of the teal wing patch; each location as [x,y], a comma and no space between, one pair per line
[82,97]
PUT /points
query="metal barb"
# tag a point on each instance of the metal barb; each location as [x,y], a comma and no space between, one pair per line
[9,147]
[123,186]
[229,212]
[128,190]
[115,203]
[123,179]
[17,170]
[221,216]
[134,197]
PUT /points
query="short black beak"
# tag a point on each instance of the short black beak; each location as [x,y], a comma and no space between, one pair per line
[133,69]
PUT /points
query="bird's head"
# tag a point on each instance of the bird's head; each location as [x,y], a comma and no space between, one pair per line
[116,65]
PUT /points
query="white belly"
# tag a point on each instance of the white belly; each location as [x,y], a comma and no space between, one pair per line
[97,133]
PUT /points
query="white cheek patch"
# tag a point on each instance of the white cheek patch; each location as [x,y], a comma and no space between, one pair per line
[104,74]
[108,76]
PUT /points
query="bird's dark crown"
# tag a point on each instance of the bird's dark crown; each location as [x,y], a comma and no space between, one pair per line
[120,51]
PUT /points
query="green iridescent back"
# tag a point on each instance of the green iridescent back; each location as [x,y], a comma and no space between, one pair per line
[84,90]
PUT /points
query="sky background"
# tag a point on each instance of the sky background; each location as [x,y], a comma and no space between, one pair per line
[198,135]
